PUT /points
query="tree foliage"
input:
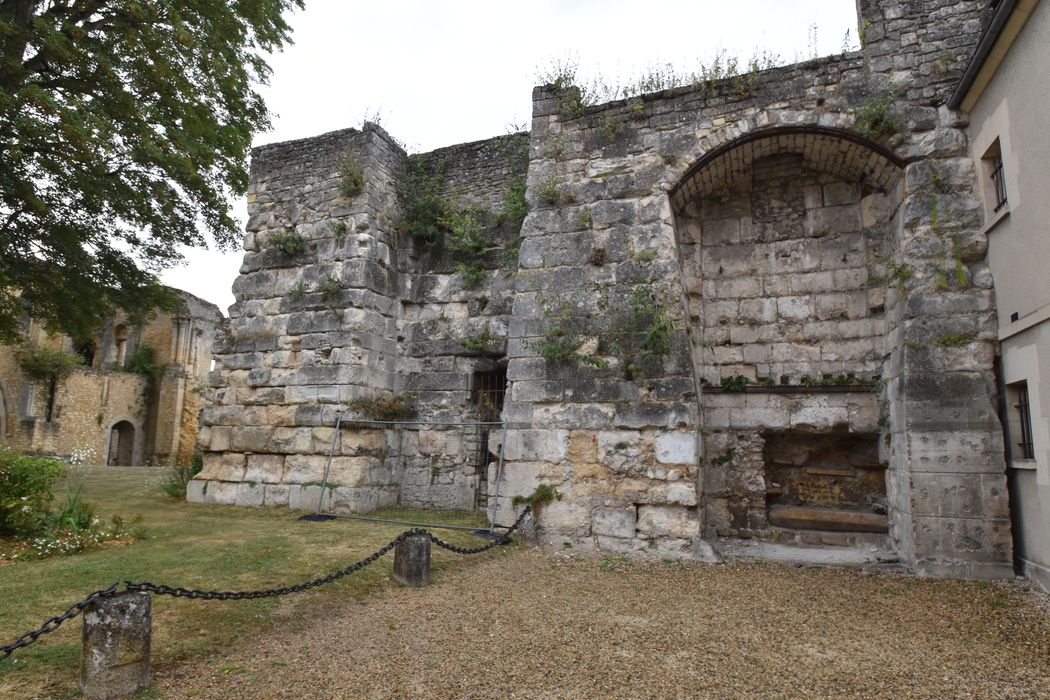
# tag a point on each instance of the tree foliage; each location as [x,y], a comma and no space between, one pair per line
[124,129]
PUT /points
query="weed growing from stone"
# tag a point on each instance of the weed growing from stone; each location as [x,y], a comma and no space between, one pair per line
[288,242]
[873,120]
[351,177]
[481,342]
[330,290]
[735,384]
[550,191]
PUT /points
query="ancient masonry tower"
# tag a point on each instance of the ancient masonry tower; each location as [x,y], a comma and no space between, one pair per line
[746,314]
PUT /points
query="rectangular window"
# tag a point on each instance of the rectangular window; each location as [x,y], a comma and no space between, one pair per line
[999,181]
[1020,427]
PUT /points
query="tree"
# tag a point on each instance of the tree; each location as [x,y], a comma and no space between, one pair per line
[124,129]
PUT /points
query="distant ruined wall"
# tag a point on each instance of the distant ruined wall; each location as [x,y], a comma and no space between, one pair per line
[805,242]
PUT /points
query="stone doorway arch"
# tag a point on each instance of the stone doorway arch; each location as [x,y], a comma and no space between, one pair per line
[121,447]
[783,236]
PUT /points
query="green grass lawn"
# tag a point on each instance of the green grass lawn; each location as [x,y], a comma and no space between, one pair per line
[194,546]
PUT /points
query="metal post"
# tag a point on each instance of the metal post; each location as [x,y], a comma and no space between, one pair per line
[328,464]
[499,477]
[114,659]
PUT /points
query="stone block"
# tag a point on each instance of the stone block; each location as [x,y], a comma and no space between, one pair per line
[301,469]
[565,517]
[265,468]
[667,521]
[613,522]
[221,492]
[541,445]
[311,496]
[276,495]
[582,447]
[819,417]
[412,561]
[250,438]
[115,656]
[218,439]
[961,451]
[195,490]
[676,448]
[681,493]
[249,494]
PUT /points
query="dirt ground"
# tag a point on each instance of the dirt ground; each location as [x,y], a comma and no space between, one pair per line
[535,624]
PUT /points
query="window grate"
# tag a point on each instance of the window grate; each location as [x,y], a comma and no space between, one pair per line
[1000,183]
[1025,416]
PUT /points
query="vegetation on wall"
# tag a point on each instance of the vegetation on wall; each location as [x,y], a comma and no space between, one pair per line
[437,223]
[392,408]
[560,343]
[468,241]
[351,177]
[424,211]
[42,363]
[143,361]
[576,96]
[642,332]
[873,120]
[289,243]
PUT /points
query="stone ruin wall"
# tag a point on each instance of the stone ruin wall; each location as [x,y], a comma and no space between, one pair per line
[843,277]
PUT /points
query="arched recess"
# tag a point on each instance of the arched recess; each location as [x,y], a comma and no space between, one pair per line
[784,237]
[120,447]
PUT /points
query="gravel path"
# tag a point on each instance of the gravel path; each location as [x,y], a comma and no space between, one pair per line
[534,624]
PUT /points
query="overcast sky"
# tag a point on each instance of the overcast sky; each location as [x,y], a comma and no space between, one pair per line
[438,72]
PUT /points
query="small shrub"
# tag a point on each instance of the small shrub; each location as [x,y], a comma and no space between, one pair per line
[338,229]
[480,342]
[584,219]
[26,491]
[143,361]
[73,515]
[550,191]
[298,292]
[289,243]
[351,177]
[611,126]
[180,475]
[544,494]
[45,364]
[330,290]
[423,220]
[873,118]
[735,384]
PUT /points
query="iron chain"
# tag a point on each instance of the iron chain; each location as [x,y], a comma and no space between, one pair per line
[484,548]
[51,624]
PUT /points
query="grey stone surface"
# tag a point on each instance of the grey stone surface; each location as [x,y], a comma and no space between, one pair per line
[115,653]
[412,561]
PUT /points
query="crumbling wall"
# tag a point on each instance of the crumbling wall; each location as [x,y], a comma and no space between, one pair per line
[700,270]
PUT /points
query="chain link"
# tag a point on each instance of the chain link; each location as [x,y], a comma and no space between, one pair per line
[51,624]
[504,539]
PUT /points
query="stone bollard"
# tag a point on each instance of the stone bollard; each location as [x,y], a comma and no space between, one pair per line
[114,659]
[412,561]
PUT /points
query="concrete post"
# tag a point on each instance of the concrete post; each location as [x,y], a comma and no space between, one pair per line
[114,660]
[412,561]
